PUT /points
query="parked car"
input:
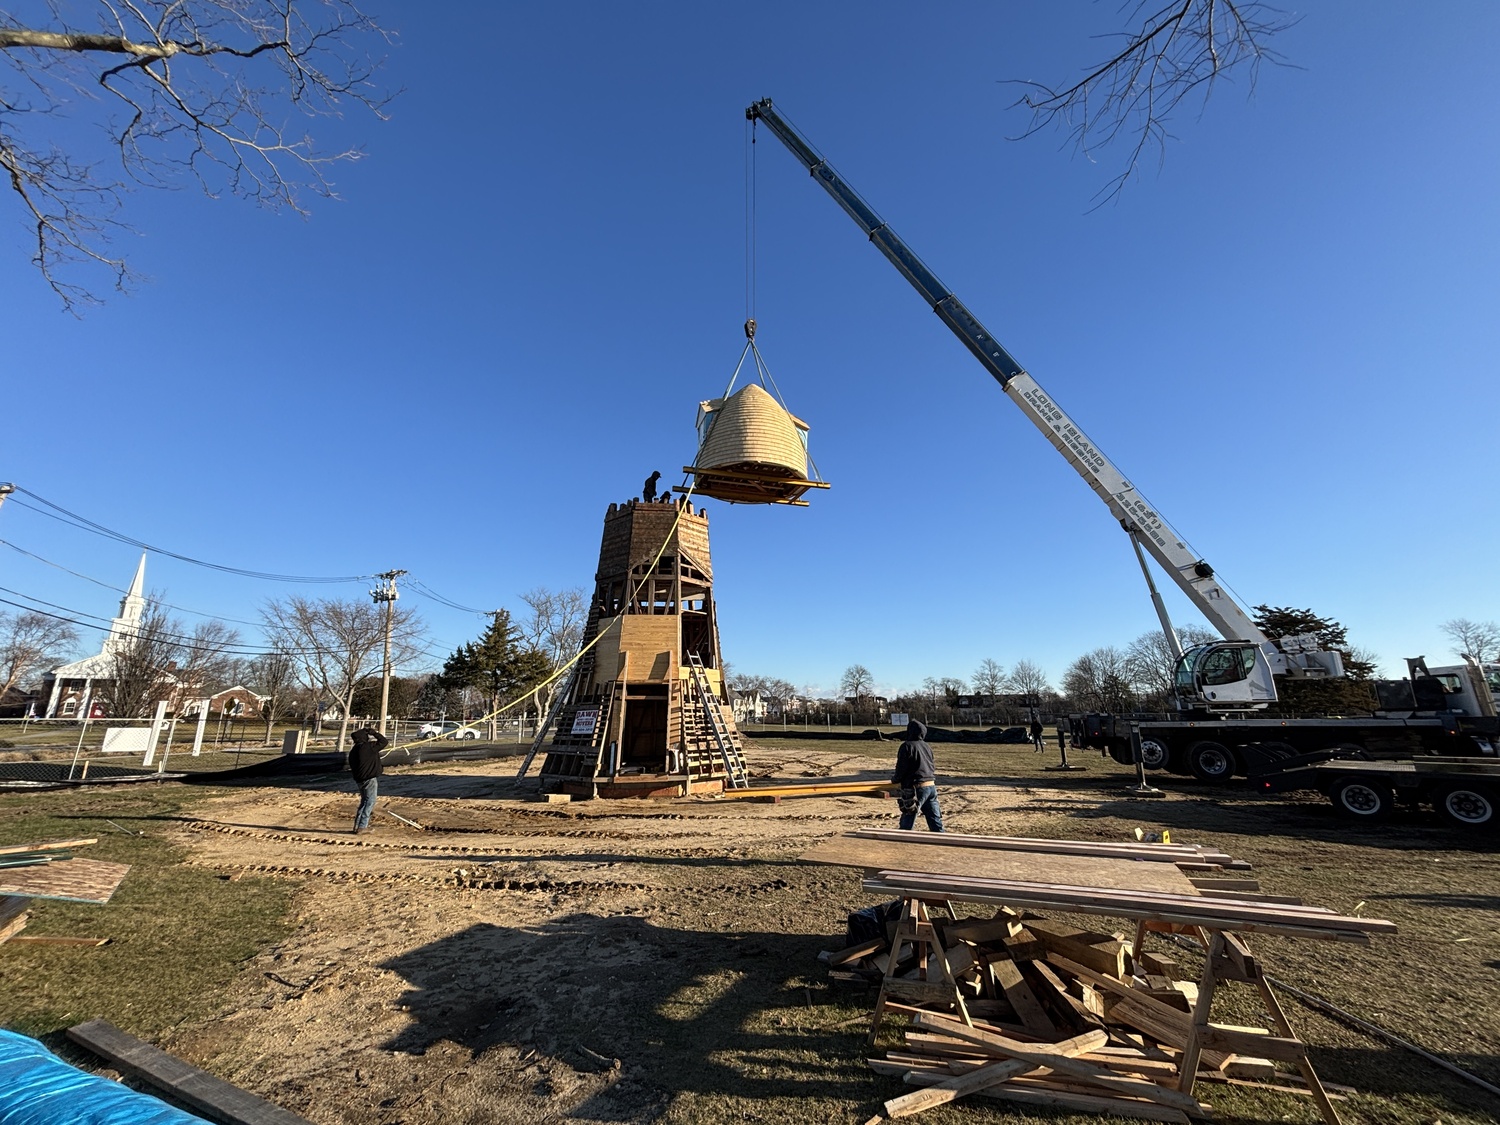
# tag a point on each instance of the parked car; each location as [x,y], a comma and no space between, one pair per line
[445,730]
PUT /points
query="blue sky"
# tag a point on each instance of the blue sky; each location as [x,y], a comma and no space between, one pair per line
[1285,336]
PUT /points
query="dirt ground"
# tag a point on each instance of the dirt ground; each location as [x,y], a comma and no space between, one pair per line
[632,961]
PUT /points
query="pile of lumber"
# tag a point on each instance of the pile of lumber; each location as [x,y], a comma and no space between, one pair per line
[49,870]
[1056,1015]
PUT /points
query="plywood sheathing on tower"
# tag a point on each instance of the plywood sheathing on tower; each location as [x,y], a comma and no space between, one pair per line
[652,611]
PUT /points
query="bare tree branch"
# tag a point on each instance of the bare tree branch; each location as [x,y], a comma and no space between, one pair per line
[1177,52]
[29,644]
[205,88]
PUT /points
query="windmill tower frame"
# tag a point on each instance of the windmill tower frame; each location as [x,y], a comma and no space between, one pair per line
[646,711]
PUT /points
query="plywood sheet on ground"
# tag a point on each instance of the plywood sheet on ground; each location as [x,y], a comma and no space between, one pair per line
[983,863]
[77,880]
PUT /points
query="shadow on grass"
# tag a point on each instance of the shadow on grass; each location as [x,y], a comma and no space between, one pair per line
[1388,1072]
[685,1011]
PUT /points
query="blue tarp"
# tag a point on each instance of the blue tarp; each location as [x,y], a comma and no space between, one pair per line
[38,1088]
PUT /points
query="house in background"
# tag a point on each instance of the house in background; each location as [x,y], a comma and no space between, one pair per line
[748,706]
[238,702]
[81,688]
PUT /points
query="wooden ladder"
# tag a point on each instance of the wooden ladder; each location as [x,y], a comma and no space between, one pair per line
[735,773]
[558,703]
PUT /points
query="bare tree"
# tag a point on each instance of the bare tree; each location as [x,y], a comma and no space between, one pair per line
[1100,680]
[30,643]
[207,662]
[554,627]
[142,663]
[1478,641]
[989,678]
[856,683]
[1175,53]
[337,643]
[778,693]
[744,684]
[273,677]
[1151,663]
[1029,680]
[201,90]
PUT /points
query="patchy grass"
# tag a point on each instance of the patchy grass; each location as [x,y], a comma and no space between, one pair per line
[710,991]
[178,934]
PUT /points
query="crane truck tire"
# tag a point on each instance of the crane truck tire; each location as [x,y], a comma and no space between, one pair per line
[1211,761]
[1154,754]
[1358,799]
[1468,806]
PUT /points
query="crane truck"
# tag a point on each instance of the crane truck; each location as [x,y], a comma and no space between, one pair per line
[1217,685]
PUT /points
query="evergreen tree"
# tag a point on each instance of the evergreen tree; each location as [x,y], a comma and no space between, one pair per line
[497,665]
[1283,621]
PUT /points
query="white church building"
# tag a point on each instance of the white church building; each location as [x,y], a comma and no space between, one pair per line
[75,688]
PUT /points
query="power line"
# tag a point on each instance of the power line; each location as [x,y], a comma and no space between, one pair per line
[85,524]
[122,590]
[429,592]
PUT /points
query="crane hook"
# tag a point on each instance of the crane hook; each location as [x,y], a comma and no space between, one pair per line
[750,329]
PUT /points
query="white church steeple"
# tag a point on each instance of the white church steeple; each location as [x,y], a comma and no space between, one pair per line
[132,606]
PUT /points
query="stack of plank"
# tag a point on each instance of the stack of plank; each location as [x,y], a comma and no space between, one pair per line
[1060,1016]
[1036,1008]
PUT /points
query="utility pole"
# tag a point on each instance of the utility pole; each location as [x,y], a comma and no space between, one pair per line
[386,594]
[494,724]
[5,490]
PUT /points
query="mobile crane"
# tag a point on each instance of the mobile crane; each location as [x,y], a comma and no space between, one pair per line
[1215,684]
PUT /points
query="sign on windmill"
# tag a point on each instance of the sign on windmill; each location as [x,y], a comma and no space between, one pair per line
[751,448]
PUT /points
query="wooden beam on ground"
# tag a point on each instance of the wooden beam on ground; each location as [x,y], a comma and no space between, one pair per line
[828,789]
[1042,1054]
[49,846]
[213,1097]
[1087,1103]
[990,1074]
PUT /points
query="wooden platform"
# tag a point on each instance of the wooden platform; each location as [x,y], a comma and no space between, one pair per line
[72,880]
[924,855]
[648,785]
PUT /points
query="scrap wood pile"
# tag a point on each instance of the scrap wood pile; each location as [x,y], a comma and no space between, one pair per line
[1061,1016]
[1020,1006]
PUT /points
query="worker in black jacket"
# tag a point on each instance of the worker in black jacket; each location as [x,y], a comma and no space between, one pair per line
[918,779]
[364,764]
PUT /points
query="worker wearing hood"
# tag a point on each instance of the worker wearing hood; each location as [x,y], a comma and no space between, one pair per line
[917,777]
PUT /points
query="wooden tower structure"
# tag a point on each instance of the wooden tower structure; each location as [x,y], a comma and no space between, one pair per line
[645,712]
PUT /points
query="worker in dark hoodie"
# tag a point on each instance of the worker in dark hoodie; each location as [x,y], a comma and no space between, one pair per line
[364,764]
[918,779]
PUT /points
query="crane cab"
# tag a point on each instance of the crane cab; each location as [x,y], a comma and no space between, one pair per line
[1224,676]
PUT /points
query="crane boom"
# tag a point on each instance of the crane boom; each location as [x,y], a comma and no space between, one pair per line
[1185,567]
